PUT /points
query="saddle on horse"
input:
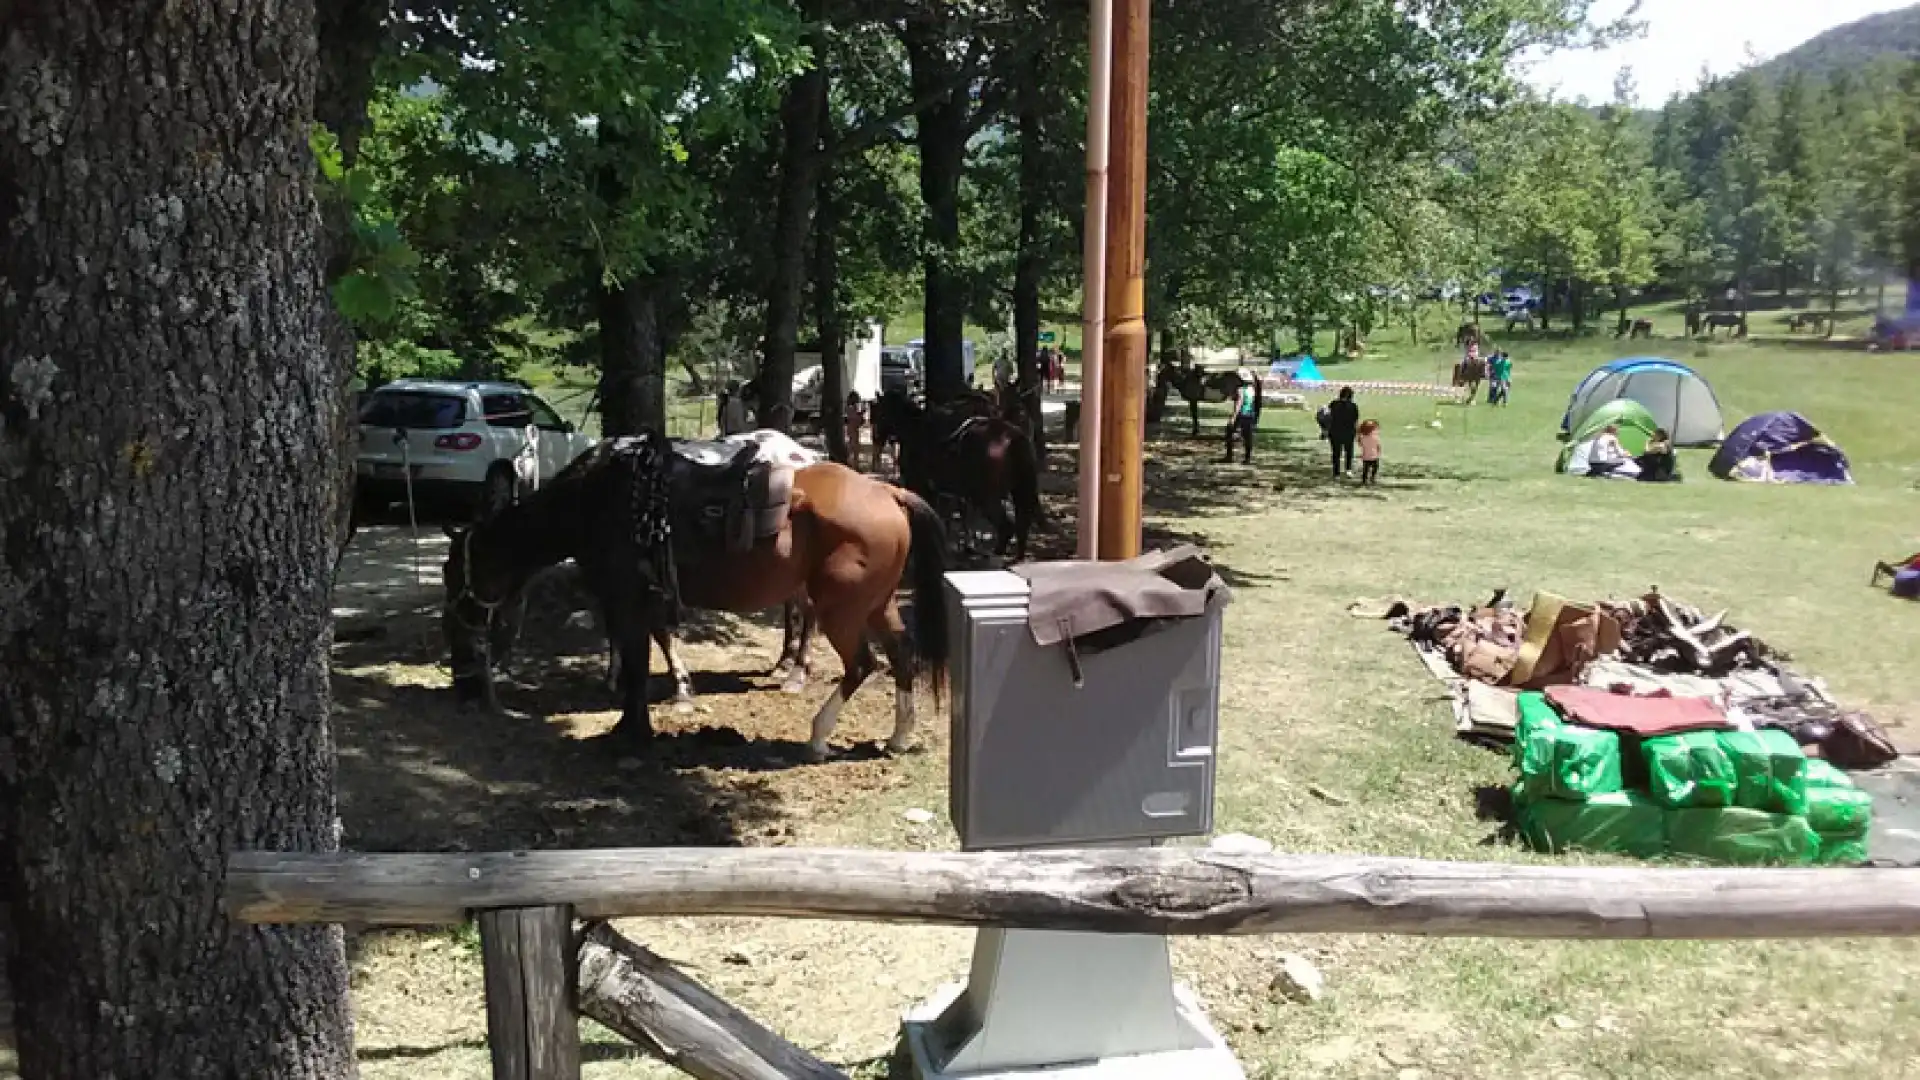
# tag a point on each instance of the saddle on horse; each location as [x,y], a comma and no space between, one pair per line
[725,495]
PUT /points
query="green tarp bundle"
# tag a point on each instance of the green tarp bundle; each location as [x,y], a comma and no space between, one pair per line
[1689,770]
[1769,770]
[1620,822]
[1839,813]
[1740,837]
[1558,760]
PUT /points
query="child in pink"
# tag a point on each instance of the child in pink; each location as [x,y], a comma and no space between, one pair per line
[1369,451]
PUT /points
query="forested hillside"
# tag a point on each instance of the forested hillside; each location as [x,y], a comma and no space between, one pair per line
[1894,33]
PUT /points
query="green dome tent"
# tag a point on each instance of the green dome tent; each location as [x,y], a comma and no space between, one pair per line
[1636,424]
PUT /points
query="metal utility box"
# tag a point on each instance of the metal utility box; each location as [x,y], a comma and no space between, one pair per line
[1037,761]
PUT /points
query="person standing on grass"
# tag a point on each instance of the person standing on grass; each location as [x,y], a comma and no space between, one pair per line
[1343,427]
[1369,439]
[1500,387]
[856,419]
[1246,417]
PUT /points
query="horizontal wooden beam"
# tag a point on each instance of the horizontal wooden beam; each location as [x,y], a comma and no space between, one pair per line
[1157,890]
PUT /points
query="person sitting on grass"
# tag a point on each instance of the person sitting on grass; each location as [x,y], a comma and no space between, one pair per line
[1608,457]
[1369,439]
[1656,462]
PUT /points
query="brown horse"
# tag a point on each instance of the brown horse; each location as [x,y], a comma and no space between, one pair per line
[843,550]
[968,452]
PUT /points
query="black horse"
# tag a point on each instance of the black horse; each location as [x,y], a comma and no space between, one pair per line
[609,512]
[965,450]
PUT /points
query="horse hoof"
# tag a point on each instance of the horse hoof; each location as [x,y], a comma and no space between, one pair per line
[902,749]
[818,754]
[683,706]
[782,670]
[796,683]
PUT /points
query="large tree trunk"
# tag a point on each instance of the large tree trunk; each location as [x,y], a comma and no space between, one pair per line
[633,359]
[350,34]
[831,322]
[800,161]
[943,130]
[1030,266]
[169,458]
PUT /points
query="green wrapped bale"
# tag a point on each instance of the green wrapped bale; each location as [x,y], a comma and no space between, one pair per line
[1620,822]
[1821,774]
[1736,836]
[1769,770]
[1840,851]
[1690,770]
[1558,760]
[1836,809]
[1840,812]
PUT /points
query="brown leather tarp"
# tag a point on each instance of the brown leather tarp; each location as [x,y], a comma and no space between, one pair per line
[1070,601]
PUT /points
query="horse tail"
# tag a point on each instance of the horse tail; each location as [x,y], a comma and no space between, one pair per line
[929,641]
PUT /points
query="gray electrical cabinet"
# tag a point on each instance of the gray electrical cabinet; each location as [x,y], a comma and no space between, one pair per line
[1057,745]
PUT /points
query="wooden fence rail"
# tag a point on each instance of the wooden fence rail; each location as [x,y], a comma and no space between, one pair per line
[1161,891]
[539,976]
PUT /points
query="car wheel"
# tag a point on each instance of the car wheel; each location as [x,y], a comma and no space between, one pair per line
[500,491]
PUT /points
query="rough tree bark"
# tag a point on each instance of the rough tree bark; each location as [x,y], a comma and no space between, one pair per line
[1030,265]
[800,163]
[941,134]
[633,358]
[168,458]
[832,324]
[350,33]
[633,347]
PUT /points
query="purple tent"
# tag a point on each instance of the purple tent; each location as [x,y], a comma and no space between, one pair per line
[1780,448]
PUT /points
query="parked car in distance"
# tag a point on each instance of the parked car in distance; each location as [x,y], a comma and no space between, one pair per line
[902,370]
[478,444]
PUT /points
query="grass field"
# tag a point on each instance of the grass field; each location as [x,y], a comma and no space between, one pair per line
[1316,704]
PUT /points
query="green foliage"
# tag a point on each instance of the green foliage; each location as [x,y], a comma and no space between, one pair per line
[376,270]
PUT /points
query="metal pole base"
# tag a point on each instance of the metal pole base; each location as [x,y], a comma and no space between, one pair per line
[1071,1006]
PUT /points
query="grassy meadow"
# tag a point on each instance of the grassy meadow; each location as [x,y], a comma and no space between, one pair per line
[1335,740]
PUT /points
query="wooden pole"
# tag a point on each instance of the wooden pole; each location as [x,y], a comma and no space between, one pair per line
[1123,390]
[1127,891]
[636,993]
[526,954]
[1093,283]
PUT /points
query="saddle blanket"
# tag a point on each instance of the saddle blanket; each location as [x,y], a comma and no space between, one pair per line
[739,510]
[774,448]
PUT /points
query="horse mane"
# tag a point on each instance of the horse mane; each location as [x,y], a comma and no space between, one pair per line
[555,521]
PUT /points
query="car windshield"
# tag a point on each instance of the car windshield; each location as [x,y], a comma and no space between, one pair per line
[414,409]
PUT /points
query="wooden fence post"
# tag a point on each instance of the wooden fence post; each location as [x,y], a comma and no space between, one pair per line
[532,1031]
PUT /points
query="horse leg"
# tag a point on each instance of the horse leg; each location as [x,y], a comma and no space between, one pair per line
[800,625]
[633,638]
[682,681]
[996,511]
[849,639]
[886,626]
[796,627]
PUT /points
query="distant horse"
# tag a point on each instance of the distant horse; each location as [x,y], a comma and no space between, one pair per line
[971,455]
[1196,385]
[1638,328]
[844,548]
[1735,323]
[1693,314]
[1522,318]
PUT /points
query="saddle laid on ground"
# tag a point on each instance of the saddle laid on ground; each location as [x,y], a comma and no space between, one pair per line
[725,494]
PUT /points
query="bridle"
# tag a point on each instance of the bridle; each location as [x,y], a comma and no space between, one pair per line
[468,592]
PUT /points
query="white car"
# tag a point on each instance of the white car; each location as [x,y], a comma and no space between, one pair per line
[483,444]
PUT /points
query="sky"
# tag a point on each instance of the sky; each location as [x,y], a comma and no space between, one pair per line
[1684,35]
